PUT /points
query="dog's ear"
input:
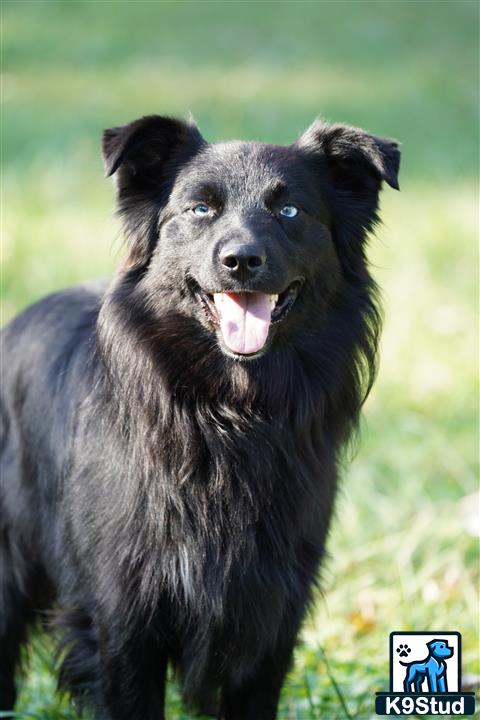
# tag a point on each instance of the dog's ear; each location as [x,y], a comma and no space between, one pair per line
[353,155]
[352,165]
[147,142]
[145,157]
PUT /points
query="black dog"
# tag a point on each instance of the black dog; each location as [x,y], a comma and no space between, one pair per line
[170,444]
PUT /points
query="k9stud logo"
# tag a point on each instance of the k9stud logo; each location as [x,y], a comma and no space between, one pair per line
[425,676]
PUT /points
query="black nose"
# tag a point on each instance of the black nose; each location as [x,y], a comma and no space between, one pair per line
[243,259]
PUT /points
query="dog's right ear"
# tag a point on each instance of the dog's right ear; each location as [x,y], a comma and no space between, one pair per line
[145,157]
[147,142]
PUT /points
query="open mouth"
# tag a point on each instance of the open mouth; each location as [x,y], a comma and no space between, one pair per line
[244,318]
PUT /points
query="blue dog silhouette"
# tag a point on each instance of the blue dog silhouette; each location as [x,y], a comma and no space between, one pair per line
[434,668]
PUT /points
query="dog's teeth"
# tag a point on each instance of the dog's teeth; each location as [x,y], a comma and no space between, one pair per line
[273,300]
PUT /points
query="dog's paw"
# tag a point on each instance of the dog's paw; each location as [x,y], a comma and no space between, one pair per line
[403,650]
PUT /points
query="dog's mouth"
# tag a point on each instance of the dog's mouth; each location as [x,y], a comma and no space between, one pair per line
[244,318]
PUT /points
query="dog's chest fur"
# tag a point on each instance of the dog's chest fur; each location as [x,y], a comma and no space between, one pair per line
[223,526]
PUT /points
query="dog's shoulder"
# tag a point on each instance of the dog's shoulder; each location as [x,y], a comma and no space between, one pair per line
[57,311]
[48,331]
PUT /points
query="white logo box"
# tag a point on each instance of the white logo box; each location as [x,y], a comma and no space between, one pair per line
[417,642]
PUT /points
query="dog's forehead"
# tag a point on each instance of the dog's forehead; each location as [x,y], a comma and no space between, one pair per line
[241,170]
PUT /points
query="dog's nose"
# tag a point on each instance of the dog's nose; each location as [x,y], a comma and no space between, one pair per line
[243,259]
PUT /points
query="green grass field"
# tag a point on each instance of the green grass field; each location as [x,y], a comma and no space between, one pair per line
[404,554]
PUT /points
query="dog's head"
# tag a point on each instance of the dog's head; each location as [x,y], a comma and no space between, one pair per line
[440,649]
[251,240]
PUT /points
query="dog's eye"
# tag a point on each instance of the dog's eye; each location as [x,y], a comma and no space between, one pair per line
[201,210]
[289,211]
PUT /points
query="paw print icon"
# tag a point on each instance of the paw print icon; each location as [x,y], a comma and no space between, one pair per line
[403,651]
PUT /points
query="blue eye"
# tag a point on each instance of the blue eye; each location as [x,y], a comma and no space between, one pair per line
[289,211]
[201,210]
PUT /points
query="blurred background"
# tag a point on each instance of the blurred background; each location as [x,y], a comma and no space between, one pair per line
[404,547]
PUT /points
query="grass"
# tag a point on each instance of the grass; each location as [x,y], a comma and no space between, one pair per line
[403,552]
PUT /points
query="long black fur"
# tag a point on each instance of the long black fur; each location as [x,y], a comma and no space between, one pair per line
[168,501]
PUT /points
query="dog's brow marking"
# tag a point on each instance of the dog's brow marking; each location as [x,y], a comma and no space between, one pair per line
[274,190]
[205,191]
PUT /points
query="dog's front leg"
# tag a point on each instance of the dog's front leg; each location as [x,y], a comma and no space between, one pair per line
[132,678]
[257,698]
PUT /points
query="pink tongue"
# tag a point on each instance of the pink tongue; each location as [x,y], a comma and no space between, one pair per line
[244,320]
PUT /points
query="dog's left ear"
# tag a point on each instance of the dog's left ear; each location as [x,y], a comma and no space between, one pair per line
[353,156]
[351,165]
